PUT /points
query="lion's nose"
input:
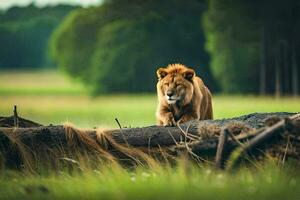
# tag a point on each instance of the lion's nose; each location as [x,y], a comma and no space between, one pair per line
[170,93]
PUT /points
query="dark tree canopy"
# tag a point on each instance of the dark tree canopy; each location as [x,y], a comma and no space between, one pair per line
[239,45]
[118,46]
[24,35]
[254,45]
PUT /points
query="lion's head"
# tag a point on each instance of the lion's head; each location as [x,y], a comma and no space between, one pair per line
[175,84]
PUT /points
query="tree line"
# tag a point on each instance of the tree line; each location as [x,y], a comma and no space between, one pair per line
[236,46]
[254,45]
[24,35]
[118,46]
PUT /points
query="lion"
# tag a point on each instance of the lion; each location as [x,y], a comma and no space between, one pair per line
[182,96]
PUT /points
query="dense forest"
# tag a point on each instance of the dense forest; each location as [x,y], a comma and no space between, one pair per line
[236,46]
[254,45]
[118,46]
[24,35]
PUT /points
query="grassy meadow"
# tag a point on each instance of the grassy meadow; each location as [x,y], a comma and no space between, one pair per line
[265,182]
[49,97]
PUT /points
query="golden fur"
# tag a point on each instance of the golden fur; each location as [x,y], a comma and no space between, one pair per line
[182,96]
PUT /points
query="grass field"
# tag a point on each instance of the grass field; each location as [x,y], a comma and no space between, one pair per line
[267,182]
[48,97]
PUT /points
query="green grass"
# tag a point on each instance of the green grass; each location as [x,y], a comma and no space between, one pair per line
[48,97]
[183,182]
[47,82]
[131,110]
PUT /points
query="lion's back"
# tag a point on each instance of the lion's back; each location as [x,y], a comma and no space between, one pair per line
[206,111]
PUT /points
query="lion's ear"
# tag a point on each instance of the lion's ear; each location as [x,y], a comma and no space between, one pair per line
[189,74]
[161,73]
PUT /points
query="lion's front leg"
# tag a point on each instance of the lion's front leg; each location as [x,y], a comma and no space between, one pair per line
[188,117]
[166,119]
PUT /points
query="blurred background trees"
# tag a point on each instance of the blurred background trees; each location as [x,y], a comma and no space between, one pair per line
[254,45]
[24,35]
[236,46]
[122,43]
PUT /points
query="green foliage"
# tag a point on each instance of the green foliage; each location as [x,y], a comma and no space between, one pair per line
[60,100]
[73,42]
[186,181]
[24,34]
[233,45]
[118,46]
[241,34]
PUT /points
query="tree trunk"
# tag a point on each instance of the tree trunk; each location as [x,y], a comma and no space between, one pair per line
[263,63]
[43,141]
[286,70]
[49,145]
[295,79]
[277,73]
[152,136]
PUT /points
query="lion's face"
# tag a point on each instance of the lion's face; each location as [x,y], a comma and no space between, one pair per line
[176,86]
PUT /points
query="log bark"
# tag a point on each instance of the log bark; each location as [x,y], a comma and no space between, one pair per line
[152,136]
[266,138]
[199,137]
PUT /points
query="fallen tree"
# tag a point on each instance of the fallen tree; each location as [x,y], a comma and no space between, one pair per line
[247,134]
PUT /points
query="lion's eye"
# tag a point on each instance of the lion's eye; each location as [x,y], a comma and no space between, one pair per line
[166,84]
